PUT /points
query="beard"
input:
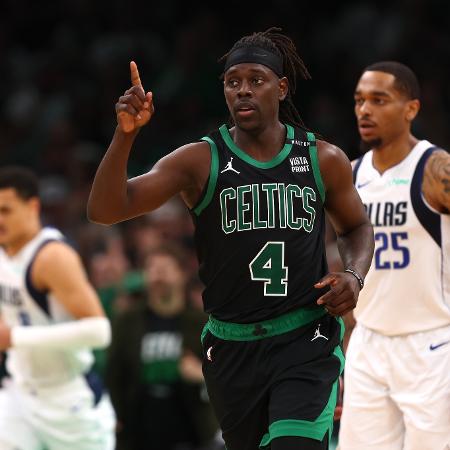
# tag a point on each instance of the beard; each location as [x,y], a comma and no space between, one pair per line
[365,146]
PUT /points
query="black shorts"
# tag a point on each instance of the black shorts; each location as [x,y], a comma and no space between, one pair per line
[274,378]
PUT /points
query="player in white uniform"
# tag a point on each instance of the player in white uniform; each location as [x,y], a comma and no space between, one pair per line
[397,374]
[50,319]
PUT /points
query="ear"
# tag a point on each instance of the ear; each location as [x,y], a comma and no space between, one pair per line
[283,88]
[35,204]
[412,109]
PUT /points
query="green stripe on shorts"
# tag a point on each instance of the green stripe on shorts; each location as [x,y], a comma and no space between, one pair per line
[304,428]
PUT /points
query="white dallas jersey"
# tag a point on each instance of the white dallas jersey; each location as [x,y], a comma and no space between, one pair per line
[22,304]
[407,289]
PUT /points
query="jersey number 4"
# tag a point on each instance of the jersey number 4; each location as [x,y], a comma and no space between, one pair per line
[268,266]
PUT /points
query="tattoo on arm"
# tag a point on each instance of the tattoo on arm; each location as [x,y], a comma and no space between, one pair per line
[436,183]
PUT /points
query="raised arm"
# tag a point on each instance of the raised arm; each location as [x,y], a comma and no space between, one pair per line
[436,181]
[114,198]
[354,231]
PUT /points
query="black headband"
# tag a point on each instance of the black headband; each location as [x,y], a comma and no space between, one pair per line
[256,55]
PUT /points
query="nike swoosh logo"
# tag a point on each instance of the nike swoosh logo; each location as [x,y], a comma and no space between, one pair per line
[360,185]
[434,347]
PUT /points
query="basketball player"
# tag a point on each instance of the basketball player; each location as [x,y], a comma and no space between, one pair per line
[397,377]
[50,318]
[257,193]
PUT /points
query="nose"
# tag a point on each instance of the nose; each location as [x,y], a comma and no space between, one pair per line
[364,109]
[245,89]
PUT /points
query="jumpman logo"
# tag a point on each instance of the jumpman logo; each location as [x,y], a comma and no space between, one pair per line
[229,167]
[317,334]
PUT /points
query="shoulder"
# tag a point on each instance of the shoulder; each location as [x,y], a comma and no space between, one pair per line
[193,149]
[56,257]
[436,180]
[333,162]
[188,157]
[55,263]
[56,252]
[437,162]
[438,156]
[329,153]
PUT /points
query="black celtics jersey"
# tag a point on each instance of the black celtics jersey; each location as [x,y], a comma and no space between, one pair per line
[259,229]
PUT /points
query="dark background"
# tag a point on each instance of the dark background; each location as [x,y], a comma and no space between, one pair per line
[64,64]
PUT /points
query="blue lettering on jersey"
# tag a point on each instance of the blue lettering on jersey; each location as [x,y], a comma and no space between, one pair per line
[10,296]
[387,214]
[399,258]
[391,250]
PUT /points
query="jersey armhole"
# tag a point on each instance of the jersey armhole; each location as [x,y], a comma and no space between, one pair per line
[356,167]
[429,219]
[40,297]
[204,201]
[315,164]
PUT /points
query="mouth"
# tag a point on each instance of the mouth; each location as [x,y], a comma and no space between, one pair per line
[366,127]
[244,109]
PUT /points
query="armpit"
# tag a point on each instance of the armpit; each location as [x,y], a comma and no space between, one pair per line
[436,181]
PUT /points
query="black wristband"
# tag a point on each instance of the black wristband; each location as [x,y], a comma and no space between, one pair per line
[357,276]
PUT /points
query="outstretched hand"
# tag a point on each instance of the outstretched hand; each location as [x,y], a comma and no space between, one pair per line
[135,108]
[343,293]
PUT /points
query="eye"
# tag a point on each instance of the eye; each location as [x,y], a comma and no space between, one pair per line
[359,101]
[379,101]
[232,82]
[257,81]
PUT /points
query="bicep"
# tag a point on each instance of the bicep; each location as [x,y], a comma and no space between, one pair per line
[58,269]
[176,173]
[149,191]
[343,203]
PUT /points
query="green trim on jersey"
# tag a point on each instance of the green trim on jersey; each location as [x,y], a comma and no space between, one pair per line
[248,159]
[261,330]
[315,165]
[212,176]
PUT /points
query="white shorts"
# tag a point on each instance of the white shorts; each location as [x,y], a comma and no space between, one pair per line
[56,418]
[396,391]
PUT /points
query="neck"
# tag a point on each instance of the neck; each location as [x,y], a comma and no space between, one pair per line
[262,144]
[392,153]
[16,246]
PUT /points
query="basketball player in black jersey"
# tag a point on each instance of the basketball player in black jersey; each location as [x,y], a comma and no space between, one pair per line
[257,192]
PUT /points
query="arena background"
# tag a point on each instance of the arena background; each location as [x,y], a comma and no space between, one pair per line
[64,64]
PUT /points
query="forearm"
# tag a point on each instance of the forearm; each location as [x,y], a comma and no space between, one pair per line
[356,248]
[108,199]
[90,332]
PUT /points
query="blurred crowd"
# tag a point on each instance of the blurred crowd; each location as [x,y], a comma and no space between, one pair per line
[64,64]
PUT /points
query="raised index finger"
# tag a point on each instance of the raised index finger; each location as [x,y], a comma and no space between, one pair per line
[135,79]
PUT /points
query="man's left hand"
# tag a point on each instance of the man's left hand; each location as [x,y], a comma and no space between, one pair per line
[343,293]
